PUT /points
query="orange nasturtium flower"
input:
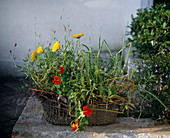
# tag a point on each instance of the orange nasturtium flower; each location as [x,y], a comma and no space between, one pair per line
[56,80]
[87,111]
[33,55]
[56,47]
[61,70]
[77,36]
[40,50]
[75,126]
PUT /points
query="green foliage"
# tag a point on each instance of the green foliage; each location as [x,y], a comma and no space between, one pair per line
[87,79]
[153,73]
[150,33]
[150,30]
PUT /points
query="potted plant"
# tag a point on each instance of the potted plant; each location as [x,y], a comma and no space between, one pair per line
[76,86]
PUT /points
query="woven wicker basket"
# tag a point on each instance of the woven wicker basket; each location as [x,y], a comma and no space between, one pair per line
[102,117]
[55,114]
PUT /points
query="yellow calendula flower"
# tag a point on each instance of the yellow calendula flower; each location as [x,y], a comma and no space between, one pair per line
[40,50]
[33,55]
[56,47]
[77,36]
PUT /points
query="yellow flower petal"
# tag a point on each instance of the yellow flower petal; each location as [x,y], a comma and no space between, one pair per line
[56,47]
[75,126]
[77,36]
[40,50]
[33,55]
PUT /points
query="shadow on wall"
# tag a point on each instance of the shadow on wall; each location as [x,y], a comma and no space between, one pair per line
[7,68]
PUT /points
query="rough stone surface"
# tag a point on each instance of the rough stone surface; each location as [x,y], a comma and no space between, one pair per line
[12,103]
[32,125]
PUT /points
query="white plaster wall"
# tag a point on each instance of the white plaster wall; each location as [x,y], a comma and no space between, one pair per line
[17,23]
[146,4]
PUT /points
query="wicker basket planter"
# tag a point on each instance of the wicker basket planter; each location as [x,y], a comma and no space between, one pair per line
[102,117]
[55,113]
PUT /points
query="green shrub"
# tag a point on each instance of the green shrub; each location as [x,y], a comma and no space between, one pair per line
[150,37]
[153,73]
[150,30]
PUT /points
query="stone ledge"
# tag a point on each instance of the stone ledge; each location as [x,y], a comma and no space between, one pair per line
[32,125]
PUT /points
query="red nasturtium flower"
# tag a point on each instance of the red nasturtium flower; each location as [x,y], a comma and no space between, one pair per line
[75,126]
[87,111]
[61,70]
[56,80]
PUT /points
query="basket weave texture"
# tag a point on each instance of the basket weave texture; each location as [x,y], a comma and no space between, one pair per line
[99,117]
[54,113]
